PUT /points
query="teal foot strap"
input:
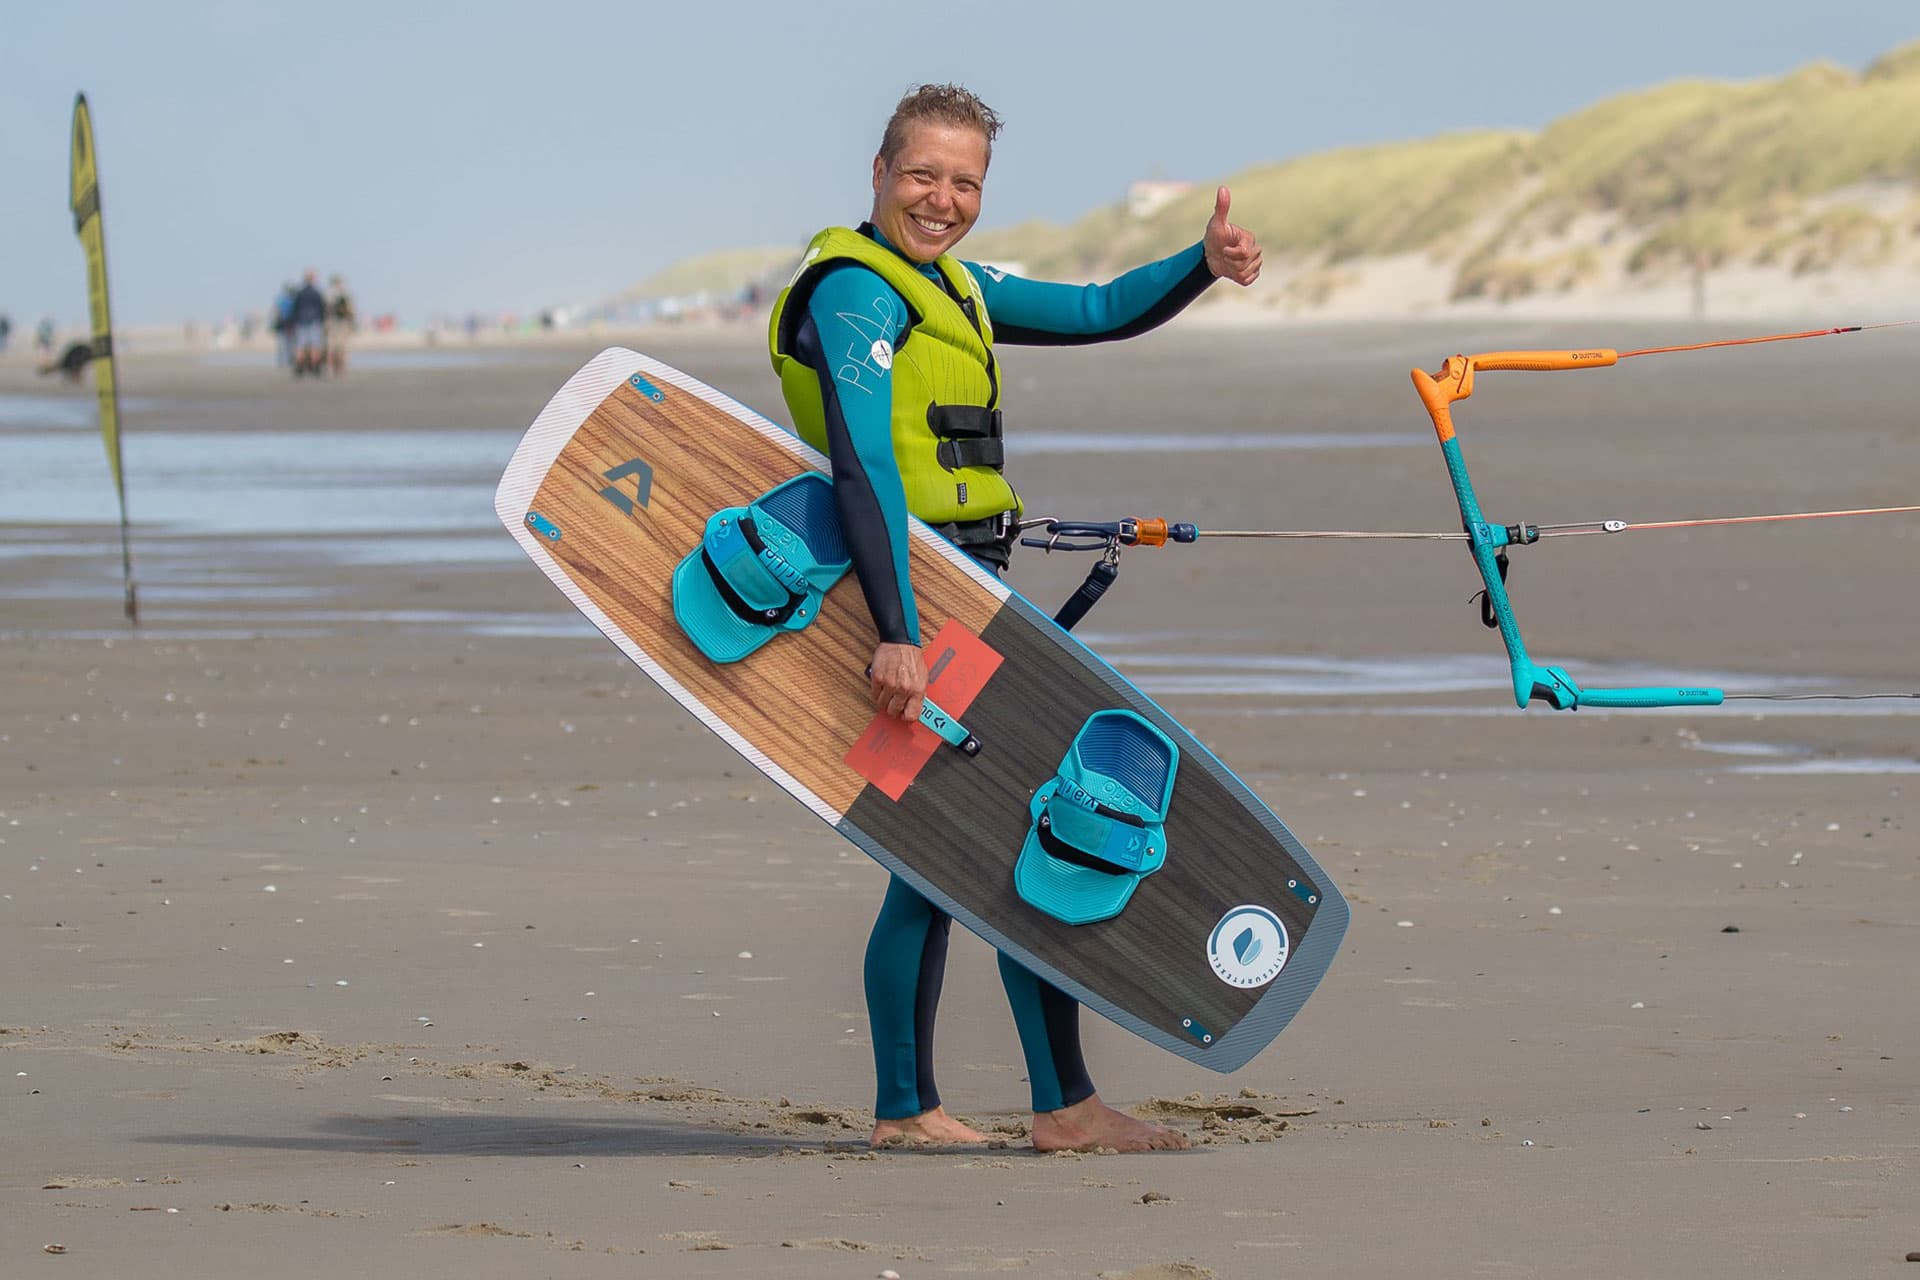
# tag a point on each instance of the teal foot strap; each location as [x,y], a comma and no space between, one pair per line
[1099,823]
[761,569]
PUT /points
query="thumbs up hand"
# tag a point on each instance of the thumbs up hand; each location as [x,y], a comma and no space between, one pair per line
[1231,251]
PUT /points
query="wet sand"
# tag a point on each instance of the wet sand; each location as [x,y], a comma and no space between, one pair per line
[341,933]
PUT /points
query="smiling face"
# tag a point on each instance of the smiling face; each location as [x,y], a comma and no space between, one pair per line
[928,196]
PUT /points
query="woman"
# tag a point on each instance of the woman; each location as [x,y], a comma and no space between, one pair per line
[884,347]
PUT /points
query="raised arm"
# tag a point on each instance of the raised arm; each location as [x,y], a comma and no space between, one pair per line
[1040,313]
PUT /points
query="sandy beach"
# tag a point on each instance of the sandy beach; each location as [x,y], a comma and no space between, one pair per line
[366,913]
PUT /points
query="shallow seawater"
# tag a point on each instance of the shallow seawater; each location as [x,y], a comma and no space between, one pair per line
[402,359]
[1794,758]
[1085,442]
[367,483]
[240,532]
[1191,665]
[282,504]
[73,412]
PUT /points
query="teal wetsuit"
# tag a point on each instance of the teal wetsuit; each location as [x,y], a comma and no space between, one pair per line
[848,310]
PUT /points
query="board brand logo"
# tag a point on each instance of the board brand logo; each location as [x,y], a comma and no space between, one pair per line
[1248,948]
[640,473]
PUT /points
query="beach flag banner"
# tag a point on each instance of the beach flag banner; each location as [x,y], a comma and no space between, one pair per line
[83,196]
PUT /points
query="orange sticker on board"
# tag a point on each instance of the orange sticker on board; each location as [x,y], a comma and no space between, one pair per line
[891,753]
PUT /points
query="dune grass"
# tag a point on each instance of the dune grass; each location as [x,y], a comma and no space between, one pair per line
[1695,173]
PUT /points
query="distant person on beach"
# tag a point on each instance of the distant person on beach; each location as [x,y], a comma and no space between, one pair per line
[340,323]
[309,328]
[76,357]
[43,337]
[885,357]
[6,330]
[283,325]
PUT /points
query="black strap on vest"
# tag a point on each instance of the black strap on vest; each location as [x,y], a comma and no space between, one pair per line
[733,599]
[1058,848]
[969,435]
[963,421]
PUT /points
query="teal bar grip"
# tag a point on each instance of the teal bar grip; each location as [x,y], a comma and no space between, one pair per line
[1557,687]
[1651,697]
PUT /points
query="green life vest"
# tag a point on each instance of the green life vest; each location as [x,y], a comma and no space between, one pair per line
[946,391]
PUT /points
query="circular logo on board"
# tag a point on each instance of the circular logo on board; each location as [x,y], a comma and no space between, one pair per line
[1248,948]
[883,353]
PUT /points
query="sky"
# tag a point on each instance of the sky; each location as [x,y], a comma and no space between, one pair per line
[493,156]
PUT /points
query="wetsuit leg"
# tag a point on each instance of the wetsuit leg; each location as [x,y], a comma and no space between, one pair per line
[906,963]
[905,966]
[1049,1023]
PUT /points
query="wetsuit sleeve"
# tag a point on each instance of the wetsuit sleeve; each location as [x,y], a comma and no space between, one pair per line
[850,312]
[1043,314]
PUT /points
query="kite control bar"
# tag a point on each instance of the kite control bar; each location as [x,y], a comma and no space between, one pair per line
[1486,540]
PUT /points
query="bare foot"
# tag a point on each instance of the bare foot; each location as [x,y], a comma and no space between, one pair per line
[928,1129]
[1091,1124]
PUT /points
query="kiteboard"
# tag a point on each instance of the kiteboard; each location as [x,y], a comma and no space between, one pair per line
[1042,800]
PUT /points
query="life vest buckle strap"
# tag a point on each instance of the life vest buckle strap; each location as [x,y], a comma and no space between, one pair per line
[969,436]
[964,422]
[954,454]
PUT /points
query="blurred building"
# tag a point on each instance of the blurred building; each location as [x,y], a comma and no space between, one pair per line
[1150,195]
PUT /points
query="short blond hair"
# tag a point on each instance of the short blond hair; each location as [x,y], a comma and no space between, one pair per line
[938,104]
